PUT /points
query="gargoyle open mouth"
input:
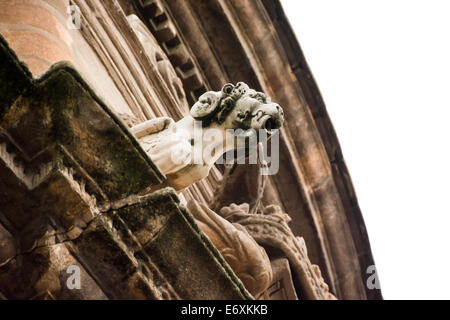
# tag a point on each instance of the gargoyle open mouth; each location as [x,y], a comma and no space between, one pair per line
[270,124]
[267,121]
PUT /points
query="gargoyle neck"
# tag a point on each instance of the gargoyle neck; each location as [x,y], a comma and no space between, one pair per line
[211,141]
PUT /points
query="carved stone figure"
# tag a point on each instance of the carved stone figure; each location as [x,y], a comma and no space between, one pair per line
[159,59]
[270,228]
[248,260]
[186,150]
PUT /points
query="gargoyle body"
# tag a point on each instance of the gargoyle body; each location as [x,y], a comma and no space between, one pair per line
[186,150]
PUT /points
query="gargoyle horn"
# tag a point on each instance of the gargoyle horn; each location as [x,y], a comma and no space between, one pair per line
[209,103]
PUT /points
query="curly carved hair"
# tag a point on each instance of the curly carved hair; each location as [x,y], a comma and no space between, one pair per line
[215,106]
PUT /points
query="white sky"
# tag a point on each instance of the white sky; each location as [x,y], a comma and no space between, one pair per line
[383,68]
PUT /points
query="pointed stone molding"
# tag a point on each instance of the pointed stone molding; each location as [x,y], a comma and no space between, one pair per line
[143,76]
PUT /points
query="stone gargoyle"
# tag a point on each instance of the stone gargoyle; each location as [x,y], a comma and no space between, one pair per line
[186,150]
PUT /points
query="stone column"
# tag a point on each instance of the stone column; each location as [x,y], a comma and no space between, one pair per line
[36,30]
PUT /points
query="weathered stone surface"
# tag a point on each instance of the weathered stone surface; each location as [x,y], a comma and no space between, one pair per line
[193,264]
[42,274]
[58,115]
[15,77]
[7,245]
[166,33]
[36,32]
[143,245]
[252,41]
[159,59]
[282,287]
[70,171]
[248,260]
[270,228]
[208,43]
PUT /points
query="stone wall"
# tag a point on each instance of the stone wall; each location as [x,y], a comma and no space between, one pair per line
[152,58]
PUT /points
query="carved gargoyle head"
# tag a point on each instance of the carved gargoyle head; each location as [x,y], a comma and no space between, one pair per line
[238,107]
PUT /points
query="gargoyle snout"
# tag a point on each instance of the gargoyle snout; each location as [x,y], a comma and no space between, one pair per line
[274,116]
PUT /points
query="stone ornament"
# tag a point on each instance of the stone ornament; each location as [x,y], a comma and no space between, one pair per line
[282,287]
[186,150]
[248,260]
[159,59]
[270,228]
[249,109]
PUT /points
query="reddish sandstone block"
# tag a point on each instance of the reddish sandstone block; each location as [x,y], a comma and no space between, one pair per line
[36,31]
[16,14]
[28,44]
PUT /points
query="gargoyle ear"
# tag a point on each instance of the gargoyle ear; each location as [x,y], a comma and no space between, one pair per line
[206,105]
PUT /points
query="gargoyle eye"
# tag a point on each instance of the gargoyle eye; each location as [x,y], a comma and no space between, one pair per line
[241,115]
[228,88]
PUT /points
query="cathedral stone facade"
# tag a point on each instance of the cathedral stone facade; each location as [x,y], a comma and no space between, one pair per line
[86,213]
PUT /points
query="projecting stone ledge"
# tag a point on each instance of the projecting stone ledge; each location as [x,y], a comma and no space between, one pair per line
[69,174]
[151,248]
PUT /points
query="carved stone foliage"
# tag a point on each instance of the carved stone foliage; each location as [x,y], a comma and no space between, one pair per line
[248,260]
[270,228]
